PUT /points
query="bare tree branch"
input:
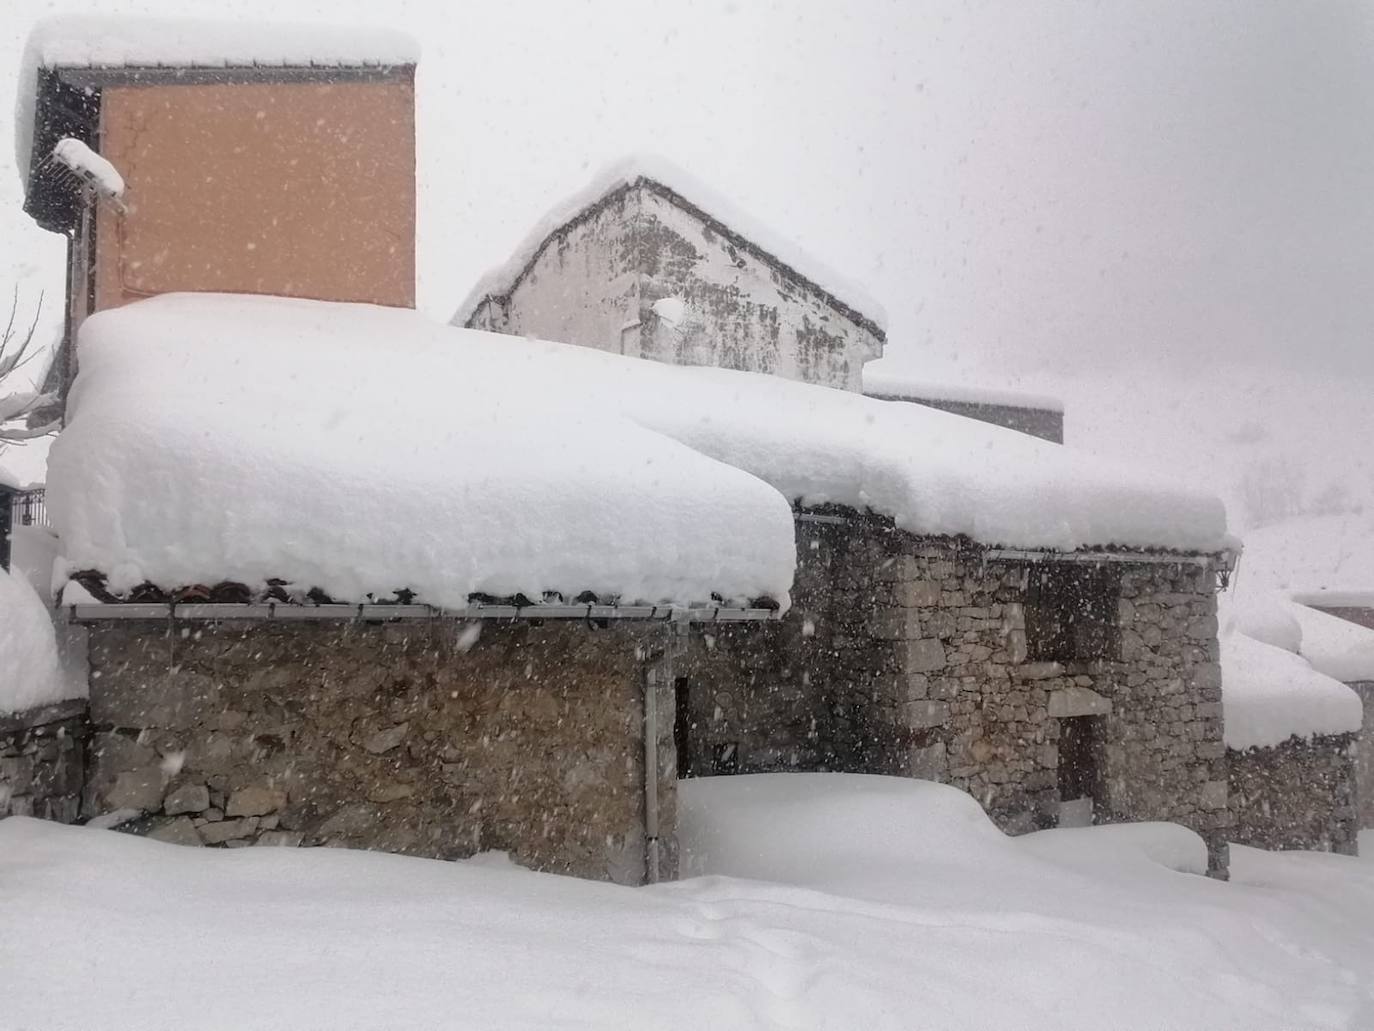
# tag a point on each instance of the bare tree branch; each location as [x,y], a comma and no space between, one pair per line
[19,404]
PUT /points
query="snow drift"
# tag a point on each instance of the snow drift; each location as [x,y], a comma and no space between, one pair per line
[364,449]
[30,674]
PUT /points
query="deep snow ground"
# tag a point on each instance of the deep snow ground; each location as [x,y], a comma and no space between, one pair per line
[890,904]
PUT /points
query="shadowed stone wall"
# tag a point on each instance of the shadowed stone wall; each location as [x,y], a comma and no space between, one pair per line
[910,656]
[1364,755]
[405,738]
[1298,794]
[42,761]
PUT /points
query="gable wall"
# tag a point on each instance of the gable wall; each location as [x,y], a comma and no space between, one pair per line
[741,313]
[582,289]
[597,283]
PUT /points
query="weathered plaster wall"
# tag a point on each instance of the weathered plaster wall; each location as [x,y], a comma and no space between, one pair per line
[385,737]
[741,313]
[42,761]
[583,288]
[598,280]
[1299,794]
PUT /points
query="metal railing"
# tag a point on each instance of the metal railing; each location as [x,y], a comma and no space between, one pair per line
[19,508]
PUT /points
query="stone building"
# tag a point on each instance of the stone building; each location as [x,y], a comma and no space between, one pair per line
[647,263]
[1061,668]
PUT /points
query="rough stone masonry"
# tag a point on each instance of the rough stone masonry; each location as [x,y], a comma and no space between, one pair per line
[42,761]
[406,738]
[913,656]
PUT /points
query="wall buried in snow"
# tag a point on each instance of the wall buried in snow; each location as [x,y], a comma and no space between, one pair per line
[408,739]
[599,281]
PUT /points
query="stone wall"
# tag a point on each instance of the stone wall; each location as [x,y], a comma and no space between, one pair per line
[1364,755]
[910,656]
[409,737]
[759,697]
[42,761]
[1299,794]
[961,700]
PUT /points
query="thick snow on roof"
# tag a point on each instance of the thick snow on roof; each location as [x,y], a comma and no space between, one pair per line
[115,41]
[1335,646]
[366,449]
[879,382]
[1312,561]
[1270,694]
[30,674]
[498,281]
[363,450]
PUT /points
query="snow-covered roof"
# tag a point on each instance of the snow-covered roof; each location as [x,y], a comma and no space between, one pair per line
[1335,646]
[656,171]
[1270,695]
[116,41]
[363,449]
[896,385]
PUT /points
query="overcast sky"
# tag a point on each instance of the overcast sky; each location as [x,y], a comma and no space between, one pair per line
[1050,185]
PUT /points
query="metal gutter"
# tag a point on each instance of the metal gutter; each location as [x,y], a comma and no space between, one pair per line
[370,613]
[1223,560]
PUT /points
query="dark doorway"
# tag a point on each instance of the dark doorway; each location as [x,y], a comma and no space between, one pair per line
[683,725]
[1078,769]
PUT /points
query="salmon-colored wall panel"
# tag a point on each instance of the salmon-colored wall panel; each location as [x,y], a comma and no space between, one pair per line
[299,189]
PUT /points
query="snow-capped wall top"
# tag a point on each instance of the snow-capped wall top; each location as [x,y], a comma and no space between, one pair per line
[364,449]
[880,383]
[499,281]
[112,41]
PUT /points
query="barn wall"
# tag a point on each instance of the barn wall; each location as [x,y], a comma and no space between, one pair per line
[397,738]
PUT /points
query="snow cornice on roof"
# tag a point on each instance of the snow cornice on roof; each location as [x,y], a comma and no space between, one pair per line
[682,190]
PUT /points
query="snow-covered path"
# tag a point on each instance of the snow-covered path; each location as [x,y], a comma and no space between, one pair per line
[967,930]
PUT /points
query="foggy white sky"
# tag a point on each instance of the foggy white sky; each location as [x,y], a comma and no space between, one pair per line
[1046,184]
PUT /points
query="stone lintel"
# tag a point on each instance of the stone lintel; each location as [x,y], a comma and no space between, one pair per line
[1078,701]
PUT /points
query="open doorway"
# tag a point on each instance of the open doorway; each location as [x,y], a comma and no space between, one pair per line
[1079,774]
